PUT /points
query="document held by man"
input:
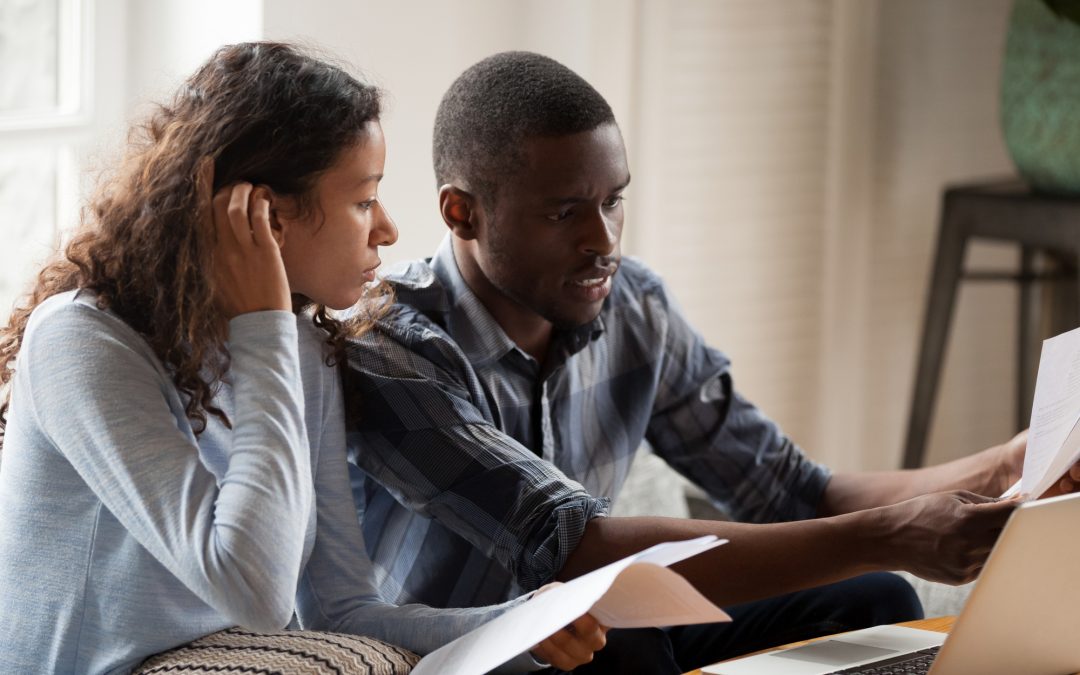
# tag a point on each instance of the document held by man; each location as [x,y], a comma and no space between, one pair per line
[634,592]
[1054,438]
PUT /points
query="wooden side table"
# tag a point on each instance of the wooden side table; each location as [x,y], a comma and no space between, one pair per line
[1043,226]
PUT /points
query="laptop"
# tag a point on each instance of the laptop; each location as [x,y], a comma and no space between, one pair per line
[1023,615]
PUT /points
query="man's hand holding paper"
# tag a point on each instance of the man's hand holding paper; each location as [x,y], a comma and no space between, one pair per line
[1050,449]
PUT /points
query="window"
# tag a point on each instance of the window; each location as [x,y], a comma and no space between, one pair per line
[45,81]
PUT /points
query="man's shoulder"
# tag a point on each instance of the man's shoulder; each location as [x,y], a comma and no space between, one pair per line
[417,286]
[420,301]
[637,289]
[416,273]
[635,277]
[411,335]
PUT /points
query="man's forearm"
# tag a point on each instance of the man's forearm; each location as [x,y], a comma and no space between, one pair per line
[943,536]
[986,473]
[759,562]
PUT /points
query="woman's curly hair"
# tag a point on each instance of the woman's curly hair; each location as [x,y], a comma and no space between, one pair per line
[265,113]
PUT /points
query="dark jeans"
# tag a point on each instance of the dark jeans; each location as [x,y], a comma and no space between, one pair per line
[869,600]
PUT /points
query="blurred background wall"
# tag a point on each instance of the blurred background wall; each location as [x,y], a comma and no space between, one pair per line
[788,159]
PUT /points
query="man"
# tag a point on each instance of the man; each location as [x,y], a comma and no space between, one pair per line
[500,403]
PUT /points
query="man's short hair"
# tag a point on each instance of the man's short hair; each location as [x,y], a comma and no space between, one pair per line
[499,102]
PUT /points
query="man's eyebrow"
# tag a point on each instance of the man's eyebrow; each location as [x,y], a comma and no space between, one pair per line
[577,200]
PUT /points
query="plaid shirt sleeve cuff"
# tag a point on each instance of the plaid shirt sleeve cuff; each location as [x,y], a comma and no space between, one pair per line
[541,561]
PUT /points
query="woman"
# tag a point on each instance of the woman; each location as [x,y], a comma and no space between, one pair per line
[173,453]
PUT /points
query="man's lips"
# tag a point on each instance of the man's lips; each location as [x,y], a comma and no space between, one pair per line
[594,285]
[595,275]
[590,283]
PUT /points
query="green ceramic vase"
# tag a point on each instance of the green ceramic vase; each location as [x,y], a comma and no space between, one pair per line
[1040,96]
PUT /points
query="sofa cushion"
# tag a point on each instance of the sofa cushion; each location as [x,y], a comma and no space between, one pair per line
[287,653]
[939,599]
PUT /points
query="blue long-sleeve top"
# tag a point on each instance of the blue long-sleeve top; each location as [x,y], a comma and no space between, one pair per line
[122,534]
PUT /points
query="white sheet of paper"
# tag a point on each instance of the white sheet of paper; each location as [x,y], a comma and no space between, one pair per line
[1068,455]
[633,592]
[1013,490]
[1053,441]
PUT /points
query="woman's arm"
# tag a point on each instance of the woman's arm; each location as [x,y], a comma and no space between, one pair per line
[338,590]
[107,404]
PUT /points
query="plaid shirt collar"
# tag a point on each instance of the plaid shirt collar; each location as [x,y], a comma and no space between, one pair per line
[478,334]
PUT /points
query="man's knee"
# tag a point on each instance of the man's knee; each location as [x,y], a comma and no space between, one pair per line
[879,598]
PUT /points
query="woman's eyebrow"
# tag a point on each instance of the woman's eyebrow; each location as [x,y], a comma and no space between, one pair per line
[367,179]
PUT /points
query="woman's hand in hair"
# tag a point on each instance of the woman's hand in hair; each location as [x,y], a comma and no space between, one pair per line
[249,275]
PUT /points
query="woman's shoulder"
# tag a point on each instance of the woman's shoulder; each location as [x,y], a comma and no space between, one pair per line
[73,321]
[56,305]
[77,306]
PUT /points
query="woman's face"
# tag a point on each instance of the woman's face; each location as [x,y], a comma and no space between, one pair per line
[331,253]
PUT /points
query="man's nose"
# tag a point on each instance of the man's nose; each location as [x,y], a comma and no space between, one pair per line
[601,236]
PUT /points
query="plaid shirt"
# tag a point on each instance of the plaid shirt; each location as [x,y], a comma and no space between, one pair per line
[475,471]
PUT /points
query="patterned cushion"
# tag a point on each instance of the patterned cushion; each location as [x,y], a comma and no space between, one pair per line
[285,653]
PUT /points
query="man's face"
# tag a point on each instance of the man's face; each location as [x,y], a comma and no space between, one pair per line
[552,243]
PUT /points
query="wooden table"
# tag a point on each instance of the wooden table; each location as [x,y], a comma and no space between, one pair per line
[942,624]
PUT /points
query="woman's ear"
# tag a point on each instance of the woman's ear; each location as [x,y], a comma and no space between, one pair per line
[458,209]
[263,193]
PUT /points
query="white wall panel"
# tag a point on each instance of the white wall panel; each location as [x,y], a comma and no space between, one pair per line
[730,195]
[416,48]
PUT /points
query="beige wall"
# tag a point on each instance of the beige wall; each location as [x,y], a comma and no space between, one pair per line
[796,212]
[936,121]
[415,49]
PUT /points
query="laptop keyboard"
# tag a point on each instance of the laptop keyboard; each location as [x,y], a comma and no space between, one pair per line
[914,663]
